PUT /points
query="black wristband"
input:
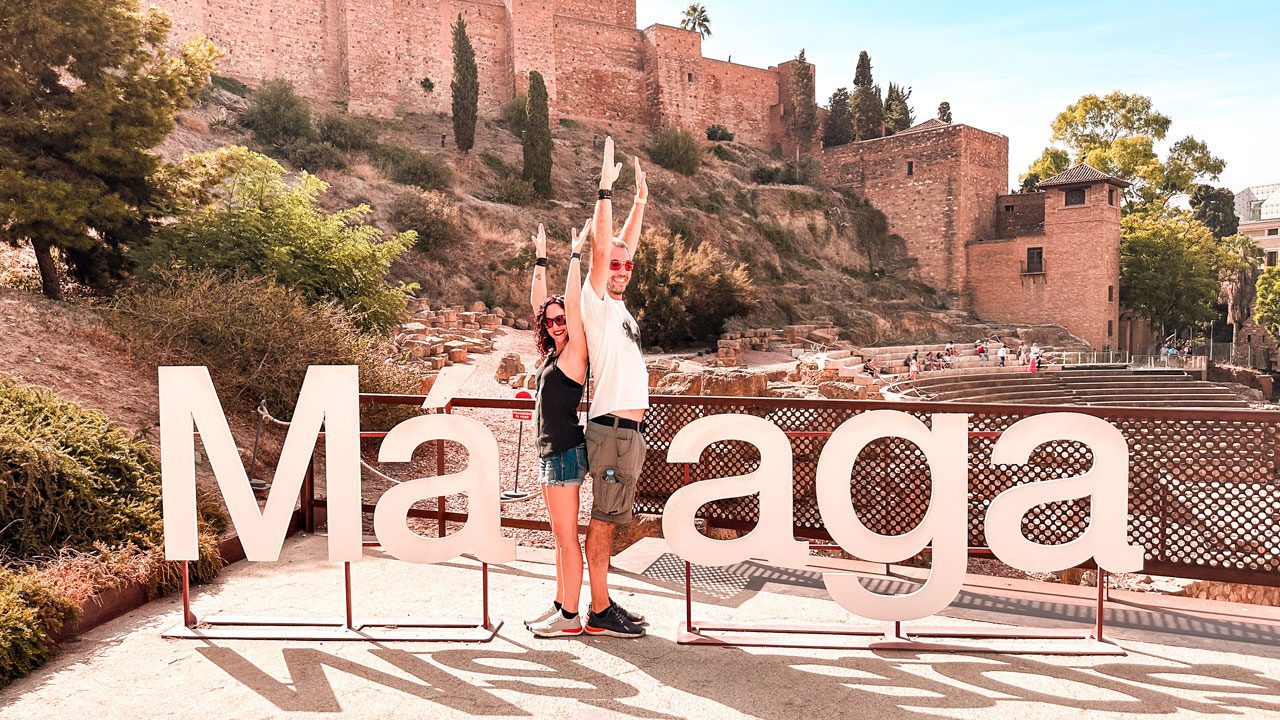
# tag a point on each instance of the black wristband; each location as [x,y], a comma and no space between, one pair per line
[575,256]
[604,194]
[540,262]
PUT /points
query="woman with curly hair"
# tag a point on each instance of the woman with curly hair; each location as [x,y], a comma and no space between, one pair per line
[562,349]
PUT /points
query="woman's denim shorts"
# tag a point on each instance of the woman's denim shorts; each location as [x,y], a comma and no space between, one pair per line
[568,468]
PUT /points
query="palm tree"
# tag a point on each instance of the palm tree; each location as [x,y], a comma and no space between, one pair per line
[695,19]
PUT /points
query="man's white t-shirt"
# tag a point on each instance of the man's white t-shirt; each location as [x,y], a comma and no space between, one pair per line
[613,347]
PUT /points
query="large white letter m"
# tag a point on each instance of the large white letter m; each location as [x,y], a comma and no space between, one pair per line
[330,397]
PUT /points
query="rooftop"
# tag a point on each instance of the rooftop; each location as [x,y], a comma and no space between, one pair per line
[1081,174]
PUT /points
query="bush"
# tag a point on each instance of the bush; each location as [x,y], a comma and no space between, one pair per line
[496,164]
[676,150]
[726,153]
[31,613]
[782,239]
[313,155]
[262,225]
[347,132]
[685,295]
[512,191]
[427,85]
[803,172]
[277,115]
[410,167]
[231,85]
[256,337]
[431,215]
[719,132]
[514,113]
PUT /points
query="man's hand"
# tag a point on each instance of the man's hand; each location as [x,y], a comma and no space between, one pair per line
[642,183]
[540,242]
[609,171]
[581,241]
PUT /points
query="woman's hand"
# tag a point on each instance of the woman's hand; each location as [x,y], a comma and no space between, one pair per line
[642,183]
[609,171]
[540,242]
[581,241]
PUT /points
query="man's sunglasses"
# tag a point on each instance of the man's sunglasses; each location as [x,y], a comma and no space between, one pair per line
[616,265]
[555,321]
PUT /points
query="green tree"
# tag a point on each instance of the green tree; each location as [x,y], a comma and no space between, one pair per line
[1238,277]
[1216,208]
[465,88]
[898,115]
[537,137]
[685,295]
[804,110]
[87,87]
[1169,268]
[695,18]
[944,111]
[1117,134]
[1051,162]
[241,214]
[1266,311]
[868,108]
[838,130]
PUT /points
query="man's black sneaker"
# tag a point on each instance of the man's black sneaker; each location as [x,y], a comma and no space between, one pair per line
[611,622]
[634,617]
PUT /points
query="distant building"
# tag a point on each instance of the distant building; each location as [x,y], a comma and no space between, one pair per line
[1044,257]
[1258,209]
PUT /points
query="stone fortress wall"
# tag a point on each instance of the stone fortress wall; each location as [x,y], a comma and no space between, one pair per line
[373,54]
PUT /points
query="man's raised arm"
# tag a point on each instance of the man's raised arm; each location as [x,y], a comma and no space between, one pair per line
[603,223]
[631,230]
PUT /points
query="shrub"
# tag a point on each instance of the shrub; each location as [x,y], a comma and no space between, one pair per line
[782,239]
[231,85]
[496,164]
[685,295]
[802,172]
[427,85]
[512,191]
[410,167]
[719,132]
[676,150]
[276,114]
[431,215]
[726,153]
[570,123]
[514,113]
[31,613]
[256,337]
[313,155]
[262,225]
[347,132]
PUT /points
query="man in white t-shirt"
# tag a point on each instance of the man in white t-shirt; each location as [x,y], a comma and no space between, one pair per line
[615,418]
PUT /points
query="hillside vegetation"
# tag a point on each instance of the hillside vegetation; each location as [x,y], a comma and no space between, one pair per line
[808,251]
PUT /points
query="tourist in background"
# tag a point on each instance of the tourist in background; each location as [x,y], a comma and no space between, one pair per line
[1002,355]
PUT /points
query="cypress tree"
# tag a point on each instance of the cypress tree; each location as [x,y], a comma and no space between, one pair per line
[944,112]
[804,117]
[839,127]
[897,113]
[465,88]
[868,109]
[537,136]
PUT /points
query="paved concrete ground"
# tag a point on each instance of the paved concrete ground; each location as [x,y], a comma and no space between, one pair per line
[1197,658]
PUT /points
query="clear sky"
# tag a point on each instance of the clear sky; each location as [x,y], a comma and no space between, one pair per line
[1213,67]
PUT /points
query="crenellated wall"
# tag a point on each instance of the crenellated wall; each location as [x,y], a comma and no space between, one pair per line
[373,54]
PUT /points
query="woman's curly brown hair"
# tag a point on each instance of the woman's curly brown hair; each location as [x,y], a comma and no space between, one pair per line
[546,344]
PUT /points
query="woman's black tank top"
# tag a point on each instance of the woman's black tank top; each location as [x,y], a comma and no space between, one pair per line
[556,410]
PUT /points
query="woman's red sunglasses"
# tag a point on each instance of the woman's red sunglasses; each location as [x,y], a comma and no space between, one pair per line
[616,265]
[554,321]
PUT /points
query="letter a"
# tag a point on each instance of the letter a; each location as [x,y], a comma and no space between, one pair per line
[944,523]
[482,533]
[773,538]
[1106,484]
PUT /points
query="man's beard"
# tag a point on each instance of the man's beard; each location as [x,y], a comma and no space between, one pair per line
[615,288]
